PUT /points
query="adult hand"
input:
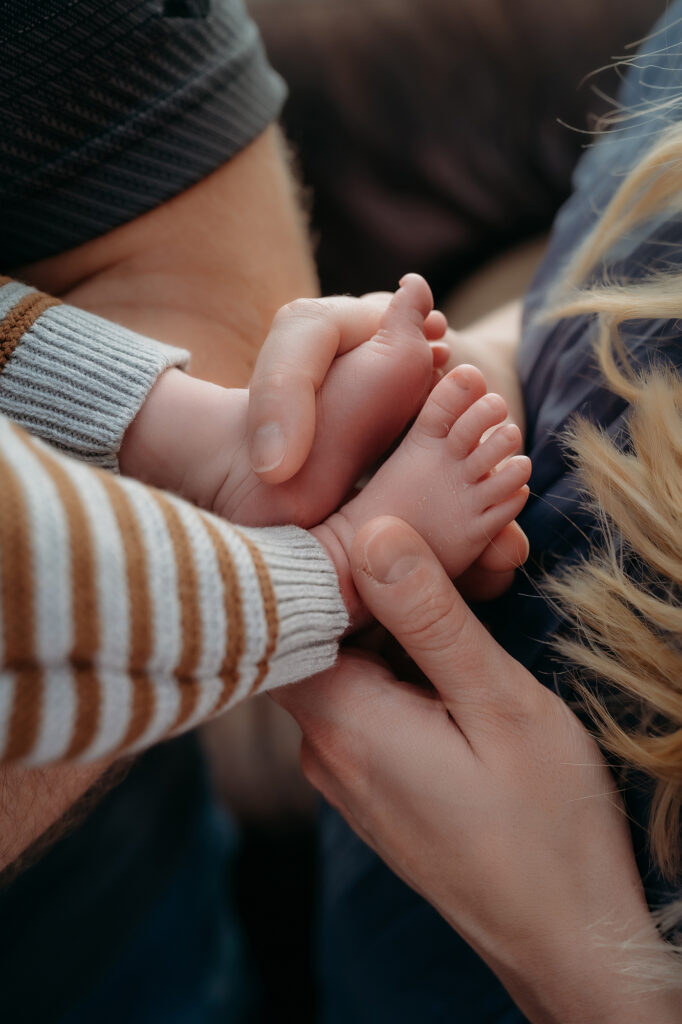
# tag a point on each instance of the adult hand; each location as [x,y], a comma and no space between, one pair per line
[306,336]
[486,795]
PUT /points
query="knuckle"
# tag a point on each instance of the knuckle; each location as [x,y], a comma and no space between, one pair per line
[271,381]
[300,309]
[519,710]
[433,620]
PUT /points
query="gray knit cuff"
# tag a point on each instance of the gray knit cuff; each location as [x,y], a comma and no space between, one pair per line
[312,615]
[73,379]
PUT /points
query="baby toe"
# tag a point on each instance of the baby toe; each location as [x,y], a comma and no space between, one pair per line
[468,429]
[450,399]
[498,486]
[498,516]
[502,443]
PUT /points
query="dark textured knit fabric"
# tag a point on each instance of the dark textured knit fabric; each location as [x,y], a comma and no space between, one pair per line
[110,107]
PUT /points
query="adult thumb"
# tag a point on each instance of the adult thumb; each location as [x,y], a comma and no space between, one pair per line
[404,586]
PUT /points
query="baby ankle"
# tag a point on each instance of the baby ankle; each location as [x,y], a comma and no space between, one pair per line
[335,537]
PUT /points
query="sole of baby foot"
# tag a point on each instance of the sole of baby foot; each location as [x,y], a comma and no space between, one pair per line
[454,478]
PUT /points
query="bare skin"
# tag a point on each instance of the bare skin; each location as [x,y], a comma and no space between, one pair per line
[462,490]
[485,794]
[194,437]
[492,344]
[173,275]
[31,800]
[207,270]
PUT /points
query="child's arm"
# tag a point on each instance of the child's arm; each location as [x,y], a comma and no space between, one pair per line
[71,378]
[79,382]
[128,615]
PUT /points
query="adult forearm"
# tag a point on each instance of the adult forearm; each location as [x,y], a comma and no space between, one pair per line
[33,800]
[207,270]
[210,267]
[598,978]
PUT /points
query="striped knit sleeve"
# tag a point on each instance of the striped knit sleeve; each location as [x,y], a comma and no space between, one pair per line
[71,378]
[127,615]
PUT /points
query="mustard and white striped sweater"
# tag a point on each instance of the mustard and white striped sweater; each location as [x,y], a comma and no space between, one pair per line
[126,614]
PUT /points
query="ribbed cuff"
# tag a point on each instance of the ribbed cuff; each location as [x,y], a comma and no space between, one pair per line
[312,615]
[77,381]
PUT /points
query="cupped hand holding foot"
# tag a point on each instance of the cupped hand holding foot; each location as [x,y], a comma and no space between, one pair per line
[485,794]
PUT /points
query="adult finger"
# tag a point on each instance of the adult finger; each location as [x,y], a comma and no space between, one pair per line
[359,720]
[403,585]
[305,338]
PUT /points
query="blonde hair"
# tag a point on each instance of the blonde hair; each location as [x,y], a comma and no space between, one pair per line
[623,602]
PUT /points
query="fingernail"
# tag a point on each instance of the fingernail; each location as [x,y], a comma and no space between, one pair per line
[268,447]
[525,557]
[391,554]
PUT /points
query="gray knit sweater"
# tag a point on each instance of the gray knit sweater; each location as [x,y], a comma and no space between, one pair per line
[126,614]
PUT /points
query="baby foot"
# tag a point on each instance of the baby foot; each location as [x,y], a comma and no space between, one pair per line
[367,399]
[459,491]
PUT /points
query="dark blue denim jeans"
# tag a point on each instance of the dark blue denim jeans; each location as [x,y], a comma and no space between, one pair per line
[185,963]
[385,955]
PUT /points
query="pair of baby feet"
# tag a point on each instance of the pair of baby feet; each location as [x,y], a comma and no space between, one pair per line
[454,477]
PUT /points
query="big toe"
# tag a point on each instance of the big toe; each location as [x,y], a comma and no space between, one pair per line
[408,308]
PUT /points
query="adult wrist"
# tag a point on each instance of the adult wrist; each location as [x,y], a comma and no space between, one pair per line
[593,977]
